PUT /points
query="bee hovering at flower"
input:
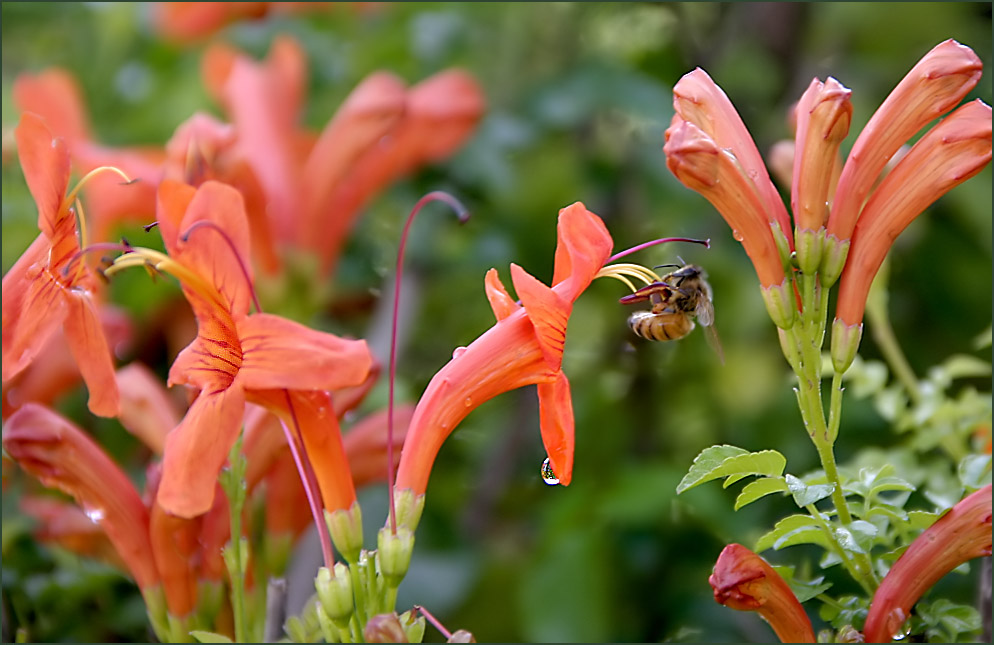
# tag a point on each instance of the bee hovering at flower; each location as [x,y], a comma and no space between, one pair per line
[677,299]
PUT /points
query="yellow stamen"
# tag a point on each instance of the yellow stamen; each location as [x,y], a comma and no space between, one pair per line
[150,258]
[625,270]
[74,194]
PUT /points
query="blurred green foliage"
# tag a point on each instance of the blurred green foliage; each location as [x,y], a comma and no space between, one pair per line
[579,96]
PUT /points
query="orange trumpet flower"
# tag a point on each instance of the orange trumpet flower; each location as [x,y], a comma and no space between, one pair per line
[524,347]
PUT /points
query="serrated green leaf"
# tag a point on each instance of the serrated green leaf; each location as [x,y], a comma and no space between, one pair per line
[765,462]
[759,488]
[783,527]
[921,519]
[857,537]
[895,514]
[885,484]
[209,637]
[733,479]
[807,535]
[804,494]
[705,463]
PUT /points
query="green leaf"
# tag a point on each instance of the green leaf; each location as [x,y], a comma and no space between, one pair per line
[209,637]
[759,488]
[733,479]
[804,494]
[766,462]
[921,519]
[885,484]
[804,590]
[807,535]
[783,527]
[857,536]
[705,463]
[975,471]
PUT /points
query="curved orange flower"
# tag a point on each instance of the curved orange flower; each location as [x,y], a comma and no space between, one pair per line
[46,288]
[524,347]
[62,456]
[744,581]
[962,534]
[238,357]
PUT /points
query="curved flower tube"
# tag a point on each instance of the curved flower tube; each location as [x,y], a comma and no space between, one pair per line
[48,288]
[962,534]
[524,347]
[934,86]
[950,153]
[62,456]
[744,581]
[238,357]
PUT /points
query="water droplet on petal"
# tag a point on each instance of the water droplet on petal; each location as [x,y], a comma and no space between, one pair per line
[738,236]
[458,351]
[548,476]
[96,515]
[468,402]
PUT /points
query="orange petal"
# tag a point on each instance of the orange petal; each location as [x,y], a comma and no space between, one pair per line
[279,353]
[698,100]
[196,450]
[370,112]
[547,311]
[174,545]
[744,581]
[950,153]
[188,21]
[66,525]
[700,164]
[61,456]
[823,116]
[934,86]
[313,415]
[583,246]
[962,534]
[223,259]
[55,95]
[504,358]
[33,307]
[147,412]
[555,407]
[85,336]
[500,301]
[45,162]
[215,68]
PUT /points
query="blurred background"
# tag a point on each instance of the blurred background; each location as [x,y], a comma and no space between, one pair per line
[578,98]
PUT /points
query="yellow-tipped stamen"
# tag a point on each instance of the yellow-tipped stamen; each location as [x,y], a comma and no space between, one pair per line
[145,257]
[625,270]
[73,199]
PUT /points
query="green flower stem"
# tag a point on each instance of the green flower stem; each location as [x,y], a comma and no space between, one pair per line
[852,567]
[835,408]
[359,592]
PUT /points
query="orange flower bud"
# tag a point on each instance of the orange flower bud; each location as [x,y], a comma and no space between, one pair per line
[744,581]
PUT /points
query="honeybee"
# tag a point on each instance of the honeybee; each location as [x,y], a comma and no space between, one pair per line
[677,299]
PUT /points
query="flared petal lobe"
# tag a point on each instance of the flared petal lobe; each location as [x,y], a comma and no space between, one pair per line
[744,581]
[950,153]
[583,246]
[61,456]
[934,86]
[962,534]
[86,340]
[555,408]
[45,161]
[196,450]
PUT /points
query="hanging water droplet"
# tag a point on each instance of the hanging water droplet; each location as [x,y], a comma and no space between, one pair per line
[898,617]
[738,236]
[548,475]
[96,515]
[458,351]
[468,402]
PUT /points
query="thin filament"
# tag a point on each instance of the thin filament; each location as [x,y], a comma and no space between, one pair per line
[231,245]
[662,240]
[434,621]
[463,216]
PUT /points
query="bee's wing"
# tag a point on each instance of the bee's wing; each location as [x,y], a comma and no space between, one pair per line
[705,315]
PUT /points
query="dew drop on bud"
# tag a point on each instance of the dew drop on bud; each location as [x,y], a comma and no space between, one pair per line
[738,236]
[468,402]
[458,351]
[548,476]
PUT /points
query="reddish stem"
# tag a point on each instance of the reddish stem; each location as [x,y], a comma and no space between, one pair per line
[434,621]
[463,216]
[662,240]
